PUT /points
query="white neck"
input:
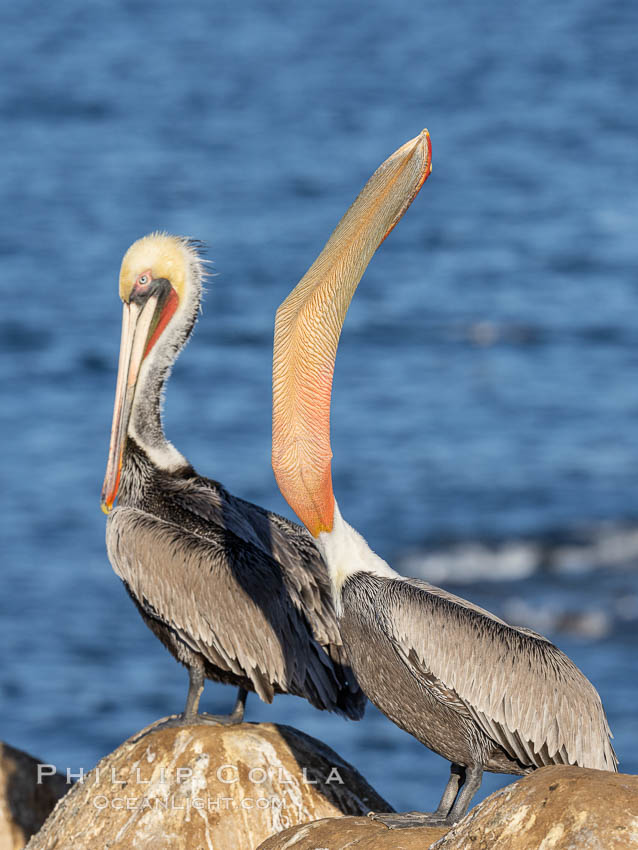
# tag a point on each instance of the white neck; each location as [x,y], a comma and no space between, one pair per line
[346,552]
[162,453]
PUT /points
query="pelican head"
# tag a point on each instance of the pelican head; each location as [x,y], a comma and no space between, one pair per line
[160,287]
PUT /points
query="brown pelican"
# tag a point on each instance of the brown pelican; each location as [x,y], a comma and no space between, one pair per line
[481,693]
[236,593]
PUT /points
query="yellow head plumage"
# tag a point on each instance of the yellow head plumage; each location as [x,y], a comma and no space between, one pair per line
[165,255]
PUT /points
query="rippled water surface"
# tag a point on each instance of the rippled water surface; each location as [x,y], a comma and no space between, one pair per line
[485,395]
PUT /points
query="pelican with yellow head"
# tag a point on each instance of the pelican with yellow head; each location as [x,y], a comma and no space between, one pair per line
[236,593]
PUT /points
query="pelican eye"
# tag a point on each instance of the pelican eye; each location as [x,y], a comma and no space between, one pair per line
[143,280]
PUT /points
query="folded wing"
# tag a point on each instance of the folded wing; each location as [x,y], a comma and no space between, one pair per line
[520,689]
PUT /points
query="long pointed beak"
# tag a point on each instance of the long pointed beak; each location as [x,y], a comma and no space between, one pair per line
[308,326]
[136,323]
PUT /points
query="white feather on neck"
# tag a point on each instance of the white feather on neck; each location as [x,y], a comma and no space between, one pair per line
[346,552]
[163,455]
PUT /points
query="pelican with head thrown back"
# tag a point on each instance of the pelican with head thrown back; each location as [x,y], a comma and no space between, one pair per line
[481,693]
[236,593]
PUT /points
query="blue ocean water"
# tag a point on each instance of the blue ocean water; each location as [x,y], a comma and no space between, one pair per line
[485,397]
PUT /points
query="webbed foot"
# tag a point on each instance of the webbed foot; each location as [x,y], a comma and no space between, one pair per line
[405,820]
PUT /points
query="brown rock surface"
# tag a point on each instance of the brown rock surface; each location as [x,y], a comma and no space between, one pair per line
[24,804]
[555,808]
[204,787]
[353,833]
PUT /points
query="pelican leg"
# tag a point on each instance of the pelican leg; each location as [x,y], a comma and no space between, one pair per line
[236,715]
[453,806]
[473,777]
[191,717]
[195,689]
[456,780]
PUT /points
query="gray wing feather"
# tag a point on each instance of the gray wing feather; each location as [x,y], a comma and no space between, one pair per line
[225,598]
[519,688]
[303,570]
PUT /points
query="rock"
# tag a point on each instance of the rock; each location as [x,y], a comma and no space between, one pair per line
[354,833]
[222,787]
[554,808]
[24,803]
